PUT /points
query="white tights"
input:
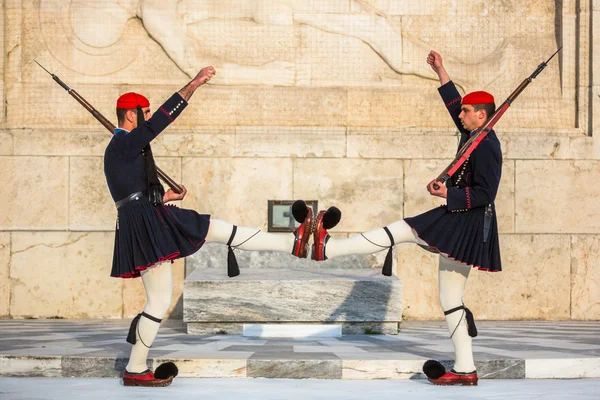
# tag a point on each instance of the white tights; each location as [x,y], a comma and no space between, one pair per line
[220,231]
[158,282]
[452,280]
[372,242]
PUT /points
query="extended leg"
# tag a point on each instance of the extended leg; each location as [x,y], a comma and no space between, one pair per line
[370,242]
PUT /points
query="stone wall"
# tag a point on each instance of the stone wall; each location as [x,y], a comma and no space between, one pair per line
[328,100]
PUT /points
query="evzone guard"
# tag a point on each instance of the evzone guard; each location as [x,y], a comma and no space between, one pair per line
[464,231]
[149,234]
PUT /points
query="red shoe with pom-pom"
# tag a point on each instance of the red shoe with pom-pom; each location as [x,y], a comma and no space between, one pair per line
[456,378]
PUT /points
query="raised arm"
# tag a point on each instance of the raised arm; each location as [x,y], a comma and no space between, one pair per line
[200,79]
[166,113]
[435,60]
[447,90]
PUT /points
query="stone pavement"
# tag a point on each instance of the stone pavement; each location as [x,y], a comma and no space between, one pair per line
[296,389]
[503,350]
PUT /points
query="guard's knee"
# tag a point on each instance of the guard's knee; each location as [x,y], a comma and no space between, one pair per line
[132,337]
[468,315]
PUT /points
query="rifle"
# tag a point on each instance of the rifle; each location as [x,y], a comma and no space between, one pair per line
[108,125]
[481,132]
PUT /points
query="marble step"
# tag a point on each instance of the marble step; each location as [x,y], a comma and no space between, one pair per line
[361,300]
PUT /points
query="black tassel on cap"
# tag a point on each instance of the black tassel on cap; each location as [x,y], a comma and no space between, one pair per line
[131,338]
[433,369]
[232,266]
[387,264]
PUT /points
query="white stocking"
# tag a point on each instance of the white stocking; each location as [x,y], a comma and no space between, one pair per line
[452,280]
[252,239]
[372,241]
[158,282]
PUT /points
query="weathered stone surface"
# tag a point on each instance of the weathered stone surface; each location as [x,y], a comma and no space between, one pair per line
[554,196]
[290,142]
[92,367]
[575,368]
[28,366]
[501,369]
[61,143]
[214,255]
[324,59]
[585,277]
[236,190]
[6,142]
[374,107]
[90,205]
[368,328]
[5,284]
[295,369]
[381,369]
[272,295]
[413,147]
[43,266]
[38,188]
[199,368]
[278,106]
[534,280]
[413,369]
[216,328]
[536,147]
[581,148]
[418,271]
[368,192]
[195,144]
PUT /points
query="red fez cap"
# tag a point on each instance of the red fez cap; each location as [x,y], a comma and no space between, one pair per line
[132,100]
[478,98]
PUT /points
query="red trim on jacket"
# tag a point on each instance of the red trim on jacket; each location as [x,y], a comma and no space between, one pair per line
[166,113]
[468,193]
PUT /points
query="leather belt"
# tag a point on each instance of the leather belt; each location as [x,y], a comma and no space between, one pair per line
[132,197]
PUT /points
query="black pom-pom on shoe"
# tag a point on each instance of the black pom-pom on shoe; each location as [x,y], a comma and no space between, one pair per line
[299,210]
[433,369]
[166,370]
[332,217]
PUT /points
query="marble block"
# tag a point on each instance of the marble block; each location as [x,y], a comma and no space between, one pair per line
[214,256]
[270,295]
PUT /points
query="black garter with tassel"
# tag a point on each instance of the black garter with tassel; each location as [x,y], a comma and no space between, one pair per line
[387,264]
[471,328]
[232,266]
[433,369]
[131,338]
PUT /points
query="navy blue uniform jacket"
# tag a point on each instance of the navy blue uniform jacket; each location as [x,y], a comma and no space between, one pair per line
[457,228]
[146,234]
